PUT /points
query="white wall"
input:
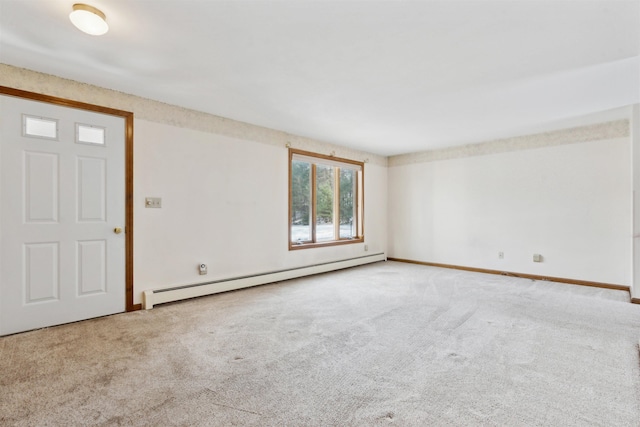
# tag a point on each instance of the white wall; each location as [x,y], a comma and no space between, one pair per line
[224,203]
[571,203]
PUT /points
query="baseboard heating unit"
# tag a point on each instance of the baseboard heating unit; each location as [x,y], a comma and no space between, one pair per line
[161,296]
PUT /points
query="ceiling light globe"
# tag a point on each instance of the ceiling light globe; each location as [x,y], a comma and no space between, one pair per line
[88,19]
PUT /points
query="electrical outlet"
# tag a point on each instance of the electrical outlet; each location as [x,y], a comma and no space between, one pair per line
[537,258]
[501,255]
[203,269]
[366,248]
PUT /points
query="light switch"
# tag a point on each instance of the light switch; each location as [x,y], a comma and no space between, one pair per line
[152,202]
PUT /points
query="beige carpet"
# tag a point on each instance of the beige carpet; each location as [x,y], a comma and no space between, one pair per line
[384,344]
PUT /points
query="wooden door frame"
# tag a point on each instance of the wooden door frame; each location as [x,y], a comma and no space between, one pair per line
[128,174]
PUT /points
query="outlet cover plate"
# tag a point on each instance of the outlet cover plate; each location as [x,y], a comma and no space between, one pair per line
[202,268]
[152,202]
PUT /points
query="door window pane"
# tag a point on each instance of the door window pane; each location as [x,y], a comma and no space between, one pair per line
[39,127]
[87,134]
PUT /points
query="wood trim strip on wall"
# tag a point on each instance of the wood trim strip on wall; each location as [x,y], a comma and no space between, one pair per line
[635,300]
[521,275]
[128,117]
[128,159]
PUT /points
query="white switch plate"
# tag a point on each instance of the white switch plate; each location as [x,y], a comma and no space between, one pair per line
[152,202]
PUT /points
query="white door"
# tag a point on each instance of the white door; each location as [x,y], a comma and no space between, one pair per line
[62,194]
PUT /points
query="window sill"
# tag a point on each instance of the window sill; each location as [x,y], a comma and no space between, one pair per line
[294,246]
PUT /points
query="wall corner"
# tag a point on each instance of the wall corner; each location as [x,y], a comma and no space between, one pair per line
[634,123]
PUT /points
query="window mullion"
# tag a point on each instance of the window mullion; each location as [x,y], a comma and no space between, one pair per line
[336,203]
[313,203]
[360,203]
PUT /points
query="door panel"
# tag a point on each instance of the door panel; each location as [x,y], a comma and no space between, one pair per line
[92,186]
[40,175]
[62,190]
[41,278]
[92,267]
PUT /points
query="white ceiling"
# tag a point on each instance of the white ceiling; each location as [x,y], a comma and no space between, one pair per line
[389,77]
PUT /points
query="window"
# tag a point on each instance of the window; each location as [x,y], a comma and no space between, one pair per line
[88,134]
[325,200]
[39,127]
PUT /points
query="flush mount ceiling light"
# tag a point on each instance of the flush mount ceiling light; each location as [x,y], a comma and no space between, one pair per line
[89,19]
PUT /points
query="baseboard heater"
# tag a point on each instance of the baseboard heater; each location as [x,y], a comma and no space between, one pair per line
[161,296]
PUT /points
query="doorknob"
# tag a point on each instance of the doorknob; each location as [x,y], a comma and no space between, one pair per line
[117,230]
